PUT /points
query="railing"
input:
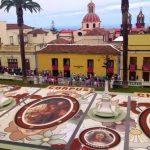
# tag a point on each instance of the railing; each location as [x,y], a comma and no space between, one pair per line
[14,77]
[132,83]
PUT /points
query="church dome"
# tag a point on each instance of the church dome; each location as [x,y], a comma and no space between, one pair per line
[91,17]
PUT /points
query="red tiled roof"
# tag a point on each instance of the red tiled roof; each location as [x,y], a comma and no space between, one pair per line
[137,29]
[15,26]
[96,32]
[66,31]
[80,49]
[37,31]
[117,30]
[59,41]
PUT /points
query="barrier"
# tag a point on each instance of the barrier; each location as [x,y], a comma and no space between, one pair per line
[62,81]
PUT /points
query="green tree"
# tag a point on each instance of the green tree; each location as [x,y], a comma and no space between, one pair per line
[20,6]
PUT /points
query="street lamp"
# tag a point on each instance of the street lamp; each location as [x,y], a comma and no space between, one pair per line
[36,61]
[124,9]
[105,65]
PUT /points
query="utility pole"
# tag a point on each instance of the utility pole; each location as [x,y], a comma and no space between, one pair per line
[124,9]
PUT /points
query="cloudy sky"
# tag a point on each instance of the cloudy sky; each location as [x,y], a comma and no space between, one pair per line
[69,13]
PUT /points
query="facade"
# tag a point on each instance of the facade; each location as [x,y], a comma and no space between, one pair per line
[139,57]
[139,26]
[78,59]
[90,32]
[10,49]
[95,36]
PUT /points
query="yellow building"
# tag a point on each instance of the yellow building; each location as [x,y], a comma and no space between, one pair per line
[78,59]
[139,57]
[9,44]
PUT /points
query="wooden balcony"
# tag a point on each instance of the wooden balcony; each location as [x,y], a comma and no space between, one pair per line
[66,68]
[90,69]
[55,67]
[146,67]
[132,67]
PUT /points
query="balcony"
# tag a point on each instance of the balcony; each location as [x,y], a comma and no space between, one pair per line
[110,70]
[55,67]
[146,67]
[66,68]
[90,69]
[132,67]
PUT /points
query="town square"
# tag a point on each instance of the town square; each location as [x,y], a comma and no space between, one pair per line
[83,86]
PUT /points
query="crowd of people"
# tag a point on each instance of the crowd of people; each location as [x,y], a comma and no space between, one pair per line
[73,80]
[16,71]
[60,79]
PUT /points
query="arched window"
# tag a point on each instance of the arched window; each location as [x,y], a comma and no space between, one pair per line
[94,25]
[87,25]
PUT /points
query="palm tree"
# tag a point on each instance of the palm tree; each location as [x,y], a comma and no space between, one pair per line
[21,5]
[124,9]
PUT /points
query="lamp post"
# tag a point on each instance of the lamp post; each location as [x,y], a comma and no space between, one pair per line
[105,65]
[36,60]
[124,9]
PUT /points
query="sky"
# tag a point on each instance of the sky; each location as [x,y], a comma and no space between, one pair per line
[68,14]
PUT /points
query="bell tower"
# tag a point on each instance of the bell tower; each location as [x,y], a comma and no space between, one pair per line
[140,20]
[91,20]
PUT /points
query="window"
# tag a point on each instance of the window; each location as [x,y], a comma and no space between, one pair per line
[94,25]
[133,60]
[146,61]
[66,62]
[11,40]
[132,76]
[27,64]
[54,62]
[146,64]
[87,25]
[12,63]
[25,38]
[146,76]
[110,64]
[34,35]
[90,63]
[90,67]
[79,33]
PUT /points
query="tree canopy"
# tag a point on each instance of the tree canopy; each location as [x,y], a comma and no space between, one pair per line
[24,4]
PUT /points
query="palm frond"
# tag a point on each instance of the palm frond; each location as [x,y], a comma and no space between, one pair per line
[8,7]
[7,4]
[31,6]
[25,4]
